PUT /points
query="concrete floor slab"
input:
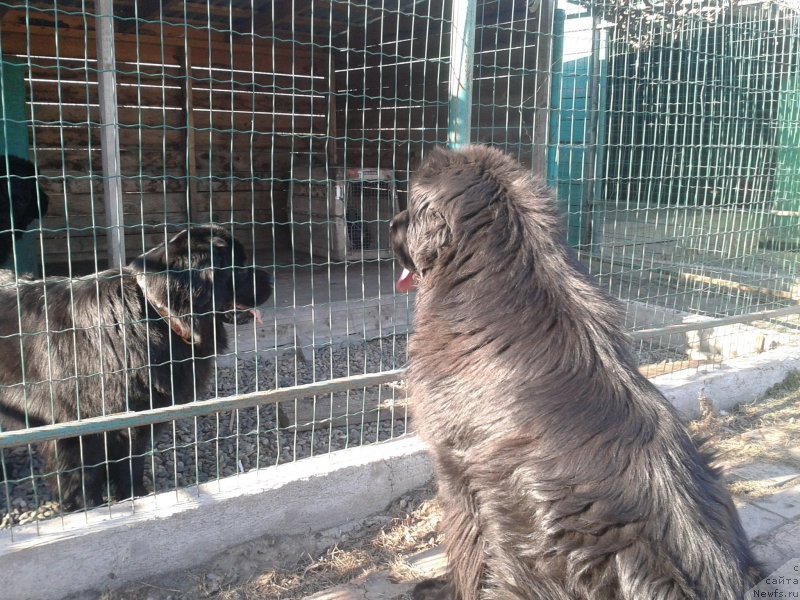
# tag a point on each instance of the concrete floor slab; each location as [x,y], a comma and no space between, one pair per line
[785,503]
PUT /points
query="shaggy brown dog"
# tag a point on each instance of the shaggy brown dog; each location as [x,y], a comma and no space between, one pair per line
[563,473]
[124,339]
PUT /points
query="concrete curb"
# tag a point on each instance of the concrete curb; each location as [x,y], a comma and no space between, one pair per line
[171,531]
[107,547]
[736,381]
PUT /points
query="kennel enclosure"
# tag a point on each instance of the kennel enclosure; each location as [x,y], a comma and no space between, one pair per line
[669,136]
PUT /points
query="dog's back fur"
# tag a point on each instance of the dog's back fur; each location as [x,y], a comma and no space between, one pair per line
[563,473]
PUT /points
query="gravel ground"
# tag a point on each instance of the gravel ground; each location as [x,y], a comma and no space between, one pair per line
[197,450]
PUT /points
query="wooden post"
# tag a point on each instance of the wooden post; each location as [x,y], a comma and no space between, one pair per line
[109,132]
[191,148]
[332,146]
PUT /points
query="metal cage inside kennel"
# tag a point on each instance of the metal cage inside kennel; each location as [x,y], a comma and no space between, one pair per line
[343,214]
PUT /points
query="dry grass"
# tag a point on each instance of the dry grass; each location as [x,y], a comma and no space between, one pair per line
[374,548]
[767,431]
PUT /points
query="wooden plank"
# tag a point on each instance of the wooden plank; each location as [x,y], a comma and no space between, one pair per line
[280,79]
[153,199]
[261,123]
[236,185]
[140,9]
[224,160]
[191,148]
[301,102]
[132,202]
[79,246]
[109,134]
[281,144]
[130,185]
[82,222]
[82,92]
[130,117]
[390,137]
[403,117]
[51,161]
[79,136]
[55,162]
[415,80]
[150,45]
[160,140]
[84,225]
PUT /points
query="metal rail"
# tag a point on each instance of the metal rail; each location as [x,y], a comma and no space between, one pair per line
[96,425]
[644,334]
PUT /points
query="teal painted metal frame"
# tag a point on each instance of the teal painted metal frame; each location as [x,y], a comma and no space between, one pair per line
[462,50]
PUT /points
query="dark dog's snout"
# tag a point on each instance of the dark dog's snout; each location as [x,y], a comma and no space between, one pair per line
[253,288]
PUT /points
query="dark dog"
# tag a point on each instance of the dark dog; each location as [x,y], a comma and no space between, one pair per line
[563,473]
[25,203]
[117,341]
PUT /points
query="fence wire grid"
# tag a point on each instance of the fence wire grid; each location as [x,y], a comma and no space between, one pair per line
[669,131]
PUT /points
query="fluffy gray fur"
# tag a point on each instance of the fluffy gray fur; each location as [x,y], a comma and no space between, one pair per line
[563,473]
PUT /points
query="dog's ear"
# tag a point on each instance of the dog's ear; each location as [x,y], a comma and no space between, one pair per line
[429,235]
[173,294]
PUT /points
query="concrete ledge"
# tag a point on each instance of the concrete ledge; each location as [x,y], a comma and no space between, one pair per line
[171,531]
[178,530]
[735,381]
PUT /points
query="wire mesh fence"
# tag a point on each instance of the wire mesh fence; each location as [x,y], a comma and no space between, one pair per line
[689,212]
[669,135]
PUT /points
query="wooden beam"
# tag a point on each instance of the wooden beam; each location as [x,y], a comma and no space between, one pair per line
[109,133]
[187,89]
[332,129]
[77,41]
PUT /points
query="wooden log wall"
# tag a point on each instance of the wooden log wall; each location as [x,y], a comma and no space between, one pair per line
[214,125]
[211,128]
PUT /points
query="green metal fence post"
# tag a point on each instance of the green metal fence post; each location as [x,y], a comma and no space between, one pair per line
[14,141]
[462,48]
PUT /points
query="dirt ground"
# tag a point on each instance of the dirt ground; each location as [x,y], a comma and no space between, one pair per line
[763,433]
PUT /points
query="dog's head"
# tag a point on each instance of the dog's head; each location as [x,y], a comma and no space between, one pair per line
[198,272]
[467,210]
[424,234]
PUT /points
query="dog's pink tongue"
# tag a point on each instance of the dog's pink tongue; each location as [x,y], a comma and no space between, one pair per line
[406,282]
